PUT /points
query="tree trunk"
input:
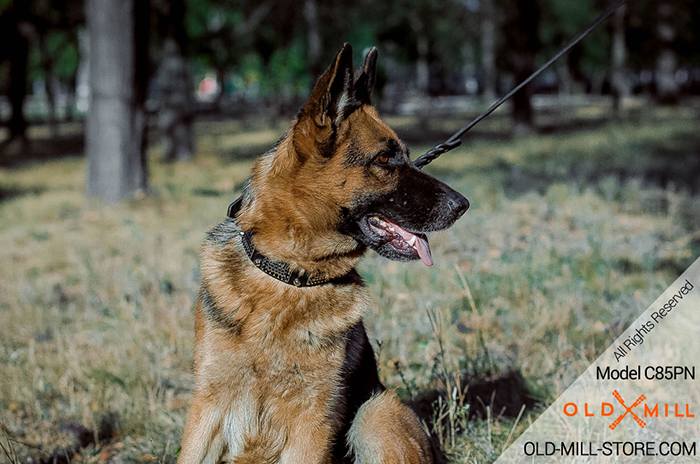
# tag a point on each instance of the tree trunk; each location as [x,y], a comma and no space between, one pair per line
[116,122]
[69,113]
[49,86]
[313,35]
[52,117]
[72,82]
[142,72]
[18,54]
[666,87]
[221,84]
[175,117]
[82,75]
[565,79]
[522,39]
[618,60]
[488,49]
[422,64]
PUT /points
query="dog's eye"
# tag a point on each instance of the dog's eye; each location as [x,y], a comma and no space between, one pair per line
[381,158]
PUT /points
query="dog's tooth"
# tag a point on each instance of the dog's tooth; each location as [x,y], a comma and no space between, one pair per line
[412,241]
[391,229]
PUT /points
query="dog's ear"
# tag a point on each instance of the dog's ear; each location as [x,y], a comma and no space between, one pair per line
[331,97]
[365,81]
[333,91]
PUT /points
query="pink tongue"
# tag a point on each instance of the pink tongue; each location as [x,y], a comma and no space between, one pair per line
[421,245]
[424,251]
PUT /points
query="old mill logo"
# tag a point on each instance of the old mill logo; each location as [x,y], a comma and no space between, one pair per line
[607,409]
[628,410]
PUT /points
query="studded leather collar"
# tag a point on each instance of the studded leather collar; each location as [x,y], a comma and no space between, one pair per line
[277,269]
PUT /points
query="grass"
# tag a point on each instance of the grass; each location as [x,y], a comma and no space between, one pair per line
[571,235]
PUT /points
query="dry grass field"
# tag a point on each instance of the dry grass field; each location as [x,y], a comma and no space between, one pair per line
[572,232]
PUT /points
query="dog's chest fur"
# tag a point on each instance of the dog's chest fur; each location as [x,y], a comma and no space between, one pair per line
[284,348]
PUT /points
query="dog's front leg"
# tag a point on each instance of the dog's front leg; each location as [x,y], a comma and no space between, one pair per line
[385,431]
[203,441]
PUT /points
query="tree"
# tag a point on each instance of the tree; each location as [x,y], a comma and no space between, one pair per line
[116,122]
[521,33]
[54,57]
[222,32]
[314,41]
[433,37]
[666,63]
[55,62]
[618,59]
[176,110]
[586,62]
[488,48]
[43,42]
[16,28]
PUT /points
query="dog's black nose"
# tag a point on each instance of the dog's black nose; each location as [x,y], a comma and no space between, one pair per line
[458,204]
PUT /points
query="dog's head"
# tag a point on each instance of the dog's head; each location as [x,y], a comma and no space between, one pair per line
[351,176]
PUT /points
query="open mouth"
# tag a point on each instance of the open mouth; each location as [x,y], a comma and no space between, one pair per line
[415,245]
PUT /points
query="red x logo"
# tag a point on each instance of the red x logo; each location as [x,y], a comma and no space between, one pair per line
[639,401]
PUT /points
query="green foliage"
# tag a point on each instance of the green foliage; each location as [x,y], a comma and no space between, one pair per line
[562,21]
[265,42]
[60,55]
[287,73]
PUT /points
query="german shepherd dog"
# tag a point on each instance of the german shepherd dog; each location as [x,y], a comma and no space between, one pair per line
[284,370]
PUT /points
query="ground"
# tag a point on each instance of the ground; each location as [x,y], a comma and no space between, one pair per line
[572,232]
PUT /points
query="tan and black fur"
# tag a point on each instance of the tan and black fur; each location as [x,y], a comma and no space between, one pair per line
[286,374]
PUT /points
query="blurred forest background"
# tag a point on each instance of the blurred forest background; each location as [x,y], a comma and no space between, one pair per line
[127,126]
[132,64]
